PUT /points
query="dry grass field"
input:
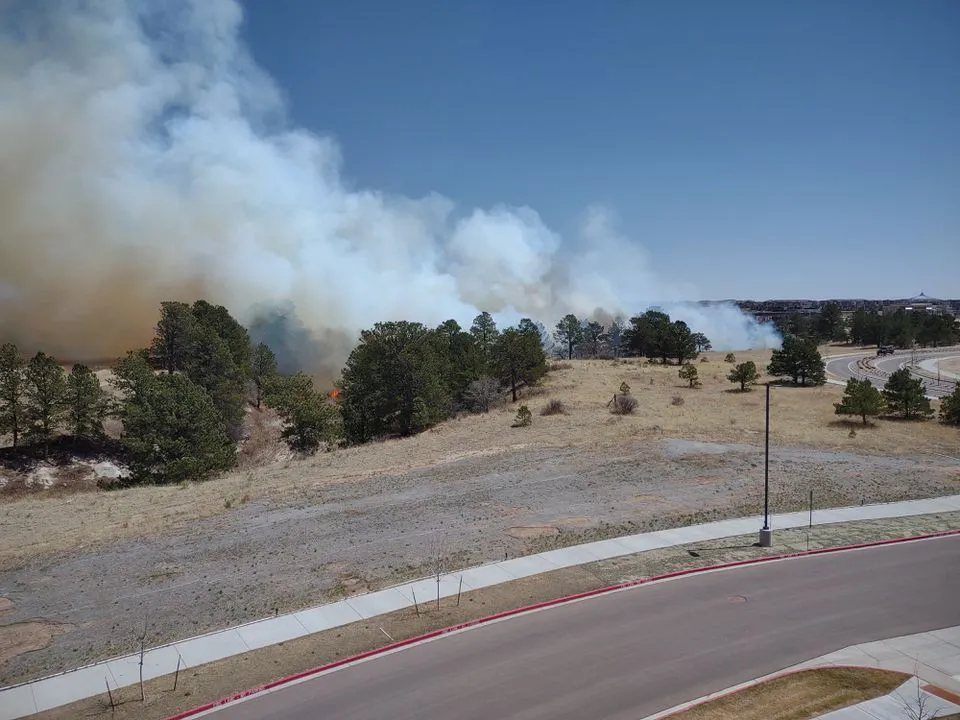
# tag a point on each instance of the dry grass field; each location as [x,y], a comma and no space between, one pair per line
[716,412]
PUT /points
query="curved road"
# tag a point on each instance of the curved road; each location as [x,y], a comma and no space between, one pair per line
[845,366]
[629,654]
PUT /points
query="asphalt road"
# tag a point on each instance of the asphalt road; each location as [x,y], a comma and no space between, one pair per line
[845,367]
[633,653]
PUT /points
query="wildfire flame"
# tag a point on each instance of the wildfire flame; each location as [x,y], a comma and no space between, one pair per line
[334,394]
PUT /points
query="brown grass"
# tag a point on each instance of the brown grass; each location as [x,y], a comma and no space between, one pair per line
[799,416]
[798,696]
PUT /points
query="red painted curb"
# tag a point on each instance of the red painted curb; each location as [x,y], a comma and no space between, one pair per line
[537,606]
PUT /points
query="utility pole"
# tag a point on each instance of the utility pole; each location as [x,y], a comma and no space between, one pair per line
[766,534]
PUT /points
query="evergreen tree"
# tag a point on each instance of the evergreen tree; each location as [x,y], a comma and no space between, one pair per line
[594,335]
[569,332]
[211,366]
[905,396]
[702,342]
[175,337]
[45,391]
[860,398]
[800,360]
[689,373]
[86,403]
[393,382]
[615,336]
[484,331]
[950,408]
[745,373]
[172,430]
[218,319]
[263,366]
[13,410]
[460,358]
[518,359]
[309,419]
[683,341]
[830,322]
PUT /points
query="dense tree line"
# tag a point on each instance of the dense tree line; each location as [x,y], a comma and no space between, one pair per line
[901,328]
[655,336]
[404,377]
[182,400]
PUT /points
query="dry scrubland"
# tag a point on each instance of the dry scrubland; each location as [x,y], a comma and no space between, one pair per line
[281,533]
[715,413]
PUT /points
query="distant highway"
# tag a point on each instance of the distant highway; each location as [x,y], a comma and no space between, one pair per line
[867,365]
[629,654]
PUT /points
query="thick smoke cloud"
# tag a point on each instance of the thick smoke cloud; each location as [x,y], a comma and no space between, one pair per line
[144,156]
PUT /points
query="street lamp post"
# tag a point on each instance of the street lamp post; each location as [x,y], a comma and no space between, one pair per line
[766,533]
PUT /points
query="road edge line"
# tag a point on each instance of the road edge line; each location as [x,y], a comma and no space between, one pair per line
[242,694]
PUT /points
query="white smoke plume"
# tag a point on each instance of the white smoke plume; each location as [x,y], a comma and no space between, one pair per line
[144,156]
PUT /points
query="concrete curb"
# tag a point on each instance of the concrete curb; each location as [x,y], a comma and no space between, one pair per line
[539,606]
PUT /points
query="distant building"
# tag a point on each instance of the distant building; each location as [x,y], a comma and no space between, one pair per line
[919,303]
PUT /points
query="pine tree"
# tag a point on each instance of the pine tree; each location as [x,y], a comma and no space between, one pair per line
[950,408]
[745,373]
[309,419]
[594,335]
[569,332]
[484,330]
[86,403]
[518,359]
[175,336]
[860,398]
[263,367]
[689,373]
[905,396]
[172,431]
[13,408]
[210,365]
[800,360]
[45,391]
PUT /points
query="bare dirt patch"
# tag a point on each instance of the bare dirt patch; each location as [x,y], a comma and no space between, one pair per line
[19,638]
[799,696]
[219,679]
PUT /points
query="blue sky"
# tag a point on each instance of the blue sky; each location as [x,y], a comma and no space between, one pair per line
[755,149]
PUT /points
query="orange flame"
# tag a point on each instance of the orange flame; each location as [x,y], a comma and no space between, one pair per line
[335,393]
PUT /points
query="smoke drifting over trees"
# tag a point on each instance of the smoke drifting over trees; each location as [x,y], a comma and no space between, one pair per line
[145,157]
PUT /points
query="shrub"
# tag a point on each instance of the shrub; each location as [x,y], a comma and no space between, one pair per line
[624,405]
[704,359]
[677,400]
[730,358]
[950,408]
[524,417]
[554,407]
[482,394]
[563,365]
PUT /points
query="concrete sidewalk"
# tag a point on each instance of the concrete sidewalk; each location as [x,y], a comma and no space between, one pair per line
[910,700]
[64,688]
[933,658]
